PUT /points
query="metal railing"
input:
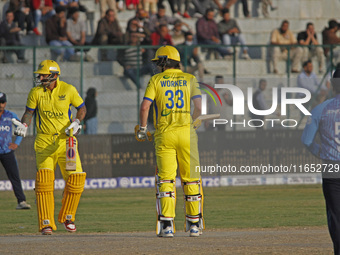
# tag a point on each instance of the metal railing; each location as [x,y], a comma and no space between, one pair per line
[35,54]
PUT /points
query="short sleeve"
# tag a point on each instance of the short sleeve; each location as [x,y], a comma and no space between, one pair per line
[300,37]
[150,91]
[195,91]
[32,101]
[76,99]
[15,116]
[312,128]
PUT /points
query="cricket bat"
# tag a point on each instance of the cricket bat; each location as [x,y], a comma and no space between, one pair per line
[208,116]
[198,121]
[71,152]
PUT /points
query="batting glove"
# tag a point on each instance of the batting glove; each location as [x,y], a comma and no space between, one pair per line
[75,125]
[20,128]
[197,123]
[142,133]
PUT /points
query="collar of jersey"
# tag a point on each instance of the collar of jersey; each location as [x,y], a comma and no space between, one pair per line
[172,70]
[56,88]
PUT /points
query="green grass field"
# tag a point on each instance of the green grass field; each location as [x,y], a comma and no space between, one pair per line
[122,210]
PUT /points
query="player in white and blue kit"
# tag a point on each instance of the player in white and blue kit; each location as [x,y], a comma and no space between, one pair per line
[325,120]
[7,148]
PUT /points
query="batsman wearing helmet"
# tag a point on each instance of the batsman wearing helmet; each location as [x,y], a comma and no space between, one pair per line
[51,101]
[171,92]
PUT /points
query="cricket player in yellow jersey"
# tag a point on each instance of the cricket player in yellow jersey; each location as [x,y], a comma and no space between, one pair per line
[171,91]
[51,101]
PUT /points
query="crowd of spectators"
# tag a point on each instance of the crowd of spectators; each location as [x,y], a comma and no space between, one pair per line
[9,36]
[56,36]
[284,36]
[151,25]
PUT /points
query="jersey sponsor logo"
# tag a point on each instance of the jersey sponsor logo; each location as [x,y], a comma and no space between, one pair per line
[52,115]
[178,83]
[62,97]
[5,128]
[179,111]
[165,112]
[166,77]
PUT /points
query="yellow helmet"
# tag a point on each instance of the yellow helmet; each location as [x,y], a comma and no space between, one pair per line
[167,52]
[48,67]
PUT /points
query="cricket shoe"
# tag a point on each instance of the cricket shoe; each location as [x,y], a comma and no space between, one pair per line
[23,205]
[194,231]
[46,231]
[70,226]
[166,232]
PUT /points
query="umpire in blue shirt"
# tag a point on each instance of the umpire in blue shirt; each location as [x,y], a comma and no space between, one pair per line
[325,120]
[7,148]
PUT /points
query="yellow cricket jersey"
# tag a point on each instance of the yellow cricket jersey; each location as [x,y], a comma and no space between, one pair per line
[53,108]
[171,92]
